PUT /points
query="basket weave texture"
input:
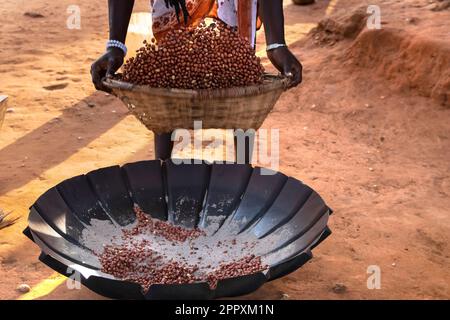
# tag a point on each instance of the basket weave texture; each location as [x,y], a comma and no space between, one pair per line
[164,110]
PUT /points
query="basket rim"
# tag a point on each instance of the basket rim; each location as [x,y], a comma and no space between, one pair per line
[271,83]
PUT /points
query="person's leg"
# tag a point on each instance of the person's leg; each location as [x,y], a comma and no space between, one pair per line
[163,146]
[243,147]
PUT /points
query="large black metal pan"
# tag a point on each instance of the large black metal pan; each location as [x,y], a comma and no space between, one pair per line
[239,199]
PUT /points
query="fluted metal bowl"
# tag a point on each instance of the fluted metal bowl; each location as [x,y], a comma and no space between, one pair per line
[282,213]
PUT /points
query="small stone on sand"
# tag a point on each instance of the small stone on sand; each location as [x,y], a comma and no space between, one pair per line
[339,288]
[285,296]
[32,14]
[58,86]
[23,288]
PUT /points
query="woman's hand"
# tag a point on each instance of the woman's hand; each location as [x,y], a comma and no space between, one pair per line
[106,65]
[273,17]
[179,6]
[119,18]
[283,59]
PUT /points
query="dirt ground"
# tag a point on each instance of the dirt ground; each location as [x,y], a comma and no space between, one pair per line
[368,129]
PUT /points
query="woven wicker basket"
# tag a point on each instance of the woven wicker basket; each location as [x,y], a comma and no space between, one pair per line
[164,110]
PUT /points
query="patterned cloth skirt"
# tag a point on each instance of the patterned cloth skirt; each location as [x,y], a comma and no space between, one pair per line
[236,13]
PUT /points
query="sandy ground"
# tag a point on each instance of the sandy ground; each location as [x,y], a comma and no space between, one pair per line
[368,129]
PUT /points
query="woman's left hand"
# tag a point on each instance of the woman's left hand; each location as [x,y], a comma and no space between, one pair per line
[179,6]
[283,59]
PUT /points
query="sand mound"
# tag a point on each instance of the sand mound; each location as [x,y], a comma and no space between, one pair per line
[409,62]
[341,26]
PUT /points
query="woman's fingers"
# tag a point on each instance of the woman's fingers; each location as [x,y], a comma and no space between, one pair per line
[97,74]
[179,6]
[176,5]
[185,11]
[106,65]
[296,74]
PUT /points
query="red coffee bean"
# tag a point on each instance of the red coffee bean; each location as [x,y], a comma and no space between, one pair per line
[135,261]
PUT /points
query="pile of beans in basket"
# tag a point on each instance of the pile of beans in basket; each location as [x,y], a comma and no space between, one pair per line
[205,57]
[157,252]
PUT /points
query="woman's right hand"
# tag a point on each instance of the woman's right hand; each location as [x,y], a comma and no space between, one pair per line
[105,66]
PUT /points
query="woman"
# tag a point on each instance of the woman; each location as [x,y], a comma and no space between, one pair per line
[169,14]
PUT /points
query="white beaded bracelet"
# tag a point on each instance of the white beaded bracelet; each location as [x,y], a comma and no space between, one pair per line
[274,46]
[117,44]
